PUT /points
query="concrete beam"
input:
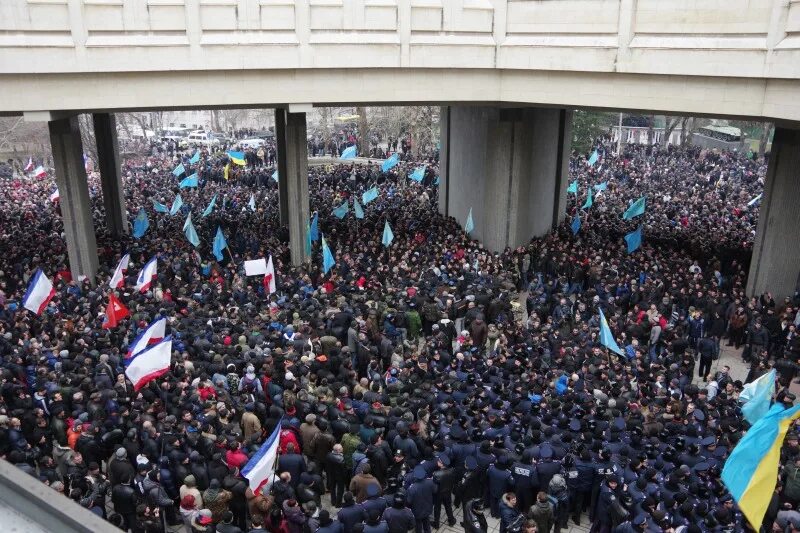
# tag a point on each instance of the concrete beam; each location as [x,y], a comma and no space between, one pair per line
[105,133]
[775,266]
[76,211]
[290,129]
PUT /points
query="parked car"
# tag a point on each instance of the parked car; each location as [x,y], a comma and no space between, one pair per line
[251,143]
[200,138]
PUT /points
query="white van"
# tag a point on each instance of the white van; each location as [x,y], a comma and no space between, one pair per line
[201,138]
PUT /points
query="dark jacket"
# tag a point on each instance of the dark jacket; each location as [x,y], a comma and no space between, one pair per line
[420,498]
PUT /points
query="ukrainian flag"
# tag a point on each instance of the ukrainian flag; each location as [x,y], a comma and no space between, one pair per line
[751,471]
[237,157]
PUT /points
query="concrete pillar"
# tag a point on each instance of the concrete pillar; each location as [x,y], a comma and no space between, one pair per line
[290,132]
[775,266]
[76,210]
[105,132]
[510,166]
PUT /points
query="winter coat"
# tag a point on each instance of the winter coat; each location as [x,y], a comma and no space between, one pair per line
[542,513]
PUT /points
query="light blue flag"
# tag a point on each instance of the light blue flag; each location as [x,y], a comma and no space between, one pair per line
[601,186]
[191,181]
[219,244]
[357,208]
[314,231]
[576,225]
[419,174]
[634,240]
[308,240]
[342,210]
[349,153]
[606,338]
[390,163]
[636,209]
[470,225]
[140,224]
[275,176]
[176,205]
[388,236]
[436,181]
[327,257]
[757,396]
[189,231]
[177,171]
[159,207]
[369,195]
[195,158]
[589,200]
[593,158]
[208,210]
[252,202]
[573,187]
[755,200]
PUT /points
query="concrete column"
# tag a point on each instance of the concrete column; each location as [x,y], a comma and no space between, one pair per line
[76,210]
[510,166]
[775,266]
[283,192]
[105,133]
[290,130]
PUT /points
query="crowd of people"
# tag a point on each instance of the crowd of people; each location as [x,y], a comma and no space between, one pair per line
[413,379]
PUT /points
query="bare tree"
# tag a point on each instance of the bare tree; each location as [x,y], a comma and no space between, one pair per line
[669,126]
[363,132]
[88,139]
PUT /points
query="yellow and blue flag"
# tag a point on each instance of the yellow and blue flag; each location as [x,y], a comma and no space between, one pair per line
[751,471]
[237,157]
[226,171]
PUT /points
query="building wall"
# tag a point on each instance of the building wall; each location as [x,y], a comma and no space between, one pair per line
[741,57]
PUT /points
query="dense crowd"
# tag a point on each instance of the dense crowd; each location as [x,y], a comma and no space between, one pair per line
[410,379]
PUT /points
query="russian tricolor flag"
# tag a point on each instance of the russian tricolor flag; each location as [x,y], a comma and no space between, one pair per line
[149,364]
[39,172]
[261,467]
[55,197]
[153,334]
[147,276]
[118,279]
[40,292]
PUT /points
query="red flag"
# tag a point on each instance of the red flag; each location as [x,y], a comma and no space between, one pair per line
[115,312]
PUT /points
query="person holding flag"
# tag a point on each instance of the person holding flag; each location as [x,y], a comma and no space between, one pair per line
[260,469]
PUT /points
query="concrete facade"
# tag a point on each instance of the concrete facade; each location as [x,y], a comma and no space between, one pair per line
[290,133]
[718,57]
[105,132]
[65,140]
[510,166]
[775,265]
